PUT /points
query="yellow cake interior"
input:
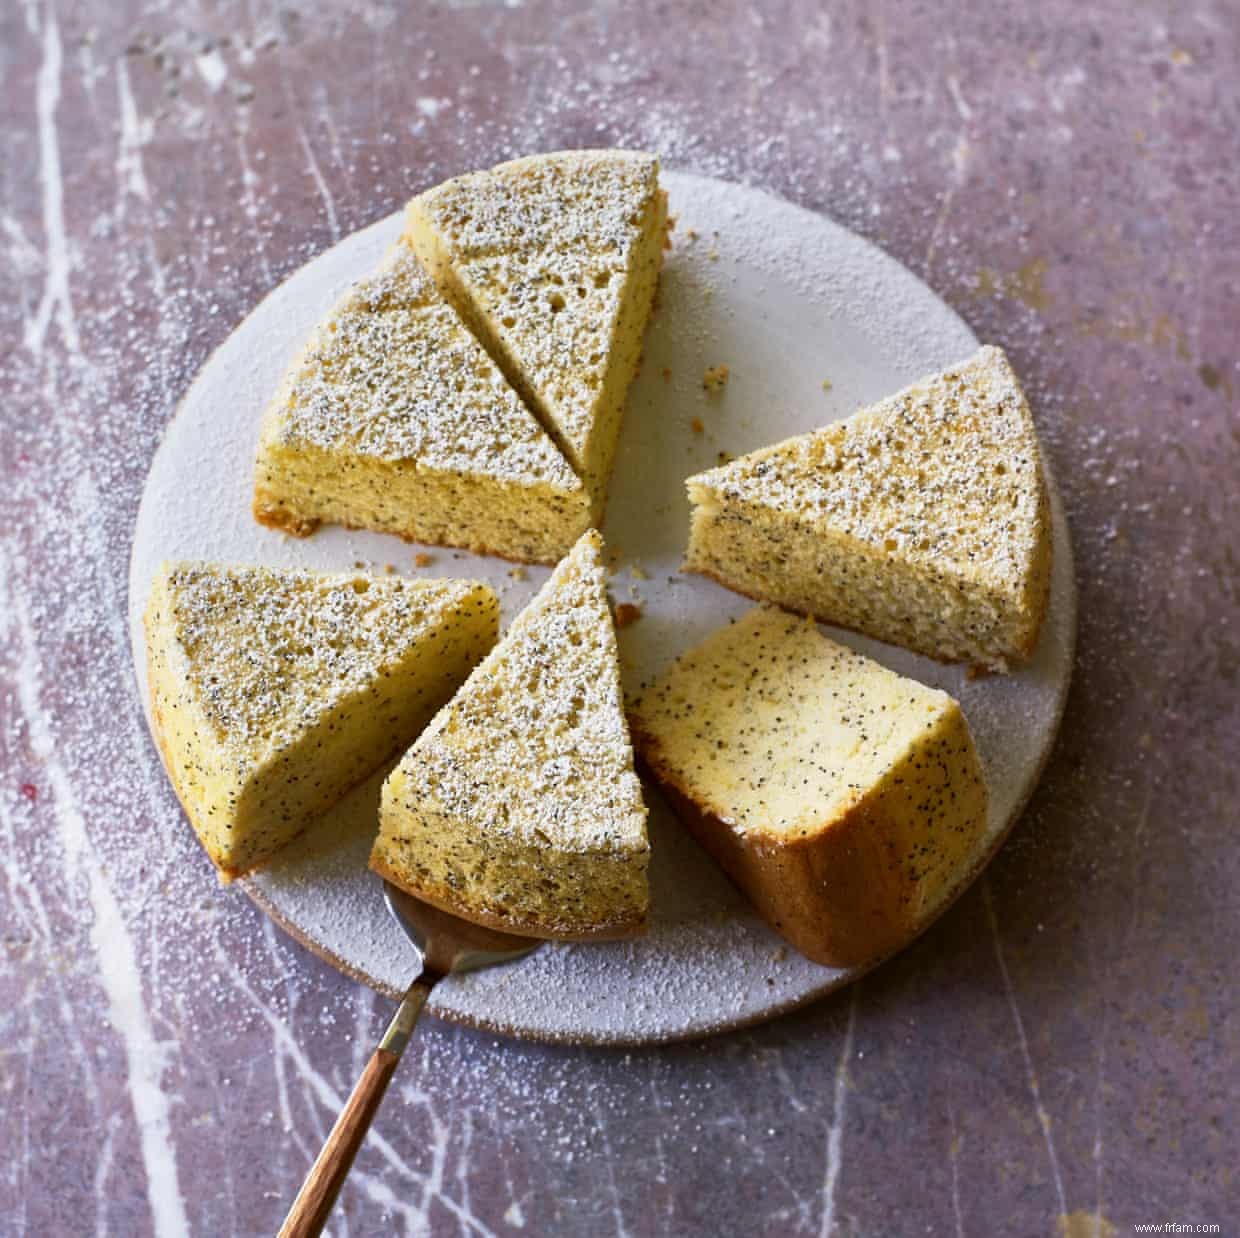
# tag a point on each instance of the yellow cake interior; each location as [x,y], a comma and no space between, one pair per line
[275,691]
[775,737]
[394,418]
[922,521]
[554,260]
[518,806]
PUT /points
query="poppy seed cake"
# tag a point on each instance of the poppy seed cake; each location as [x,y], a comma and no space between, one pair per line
[518,806]
[554,260]
[842,798]
[394,418]
[273,692]
[922,521]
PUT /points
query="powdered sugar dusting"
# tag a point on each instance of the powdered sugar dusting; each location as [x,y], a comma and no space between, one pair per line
[394,376]
[535,743]
[574,201]
[519,802]
[264,651]
[947,472]
[545,247]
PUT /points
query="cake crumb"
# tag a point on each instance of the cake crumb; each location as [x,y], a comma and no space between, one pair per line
[725,457]
[692,234]
[696,425]
[627,613]
[638,572]
[517,573]
[666,371]
[389,569]
[779,954]
[716,378]
[826,384]
[422,559]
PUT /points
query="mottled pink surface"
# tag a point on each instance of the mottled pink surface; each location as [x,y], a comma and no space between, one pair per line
[1059,1054]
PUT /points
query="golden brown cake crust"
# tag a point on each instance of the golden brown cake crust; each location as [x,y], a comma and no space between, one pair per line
[296,527]
[284,521]
[441,897]
[783,878]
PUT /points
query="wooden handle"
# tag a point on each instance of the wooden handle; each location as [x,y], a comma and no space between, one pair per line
[317,1196]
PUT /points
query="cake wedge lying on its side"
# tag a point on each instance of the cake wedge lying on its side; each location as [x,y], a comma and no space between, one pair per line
[845,800]
[922,521]
[273,692]
[554,260]
[518,807]
[394,418]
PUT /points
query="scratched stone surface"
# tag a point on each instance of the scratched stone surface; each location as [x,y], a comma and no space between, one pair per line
[1059,1055]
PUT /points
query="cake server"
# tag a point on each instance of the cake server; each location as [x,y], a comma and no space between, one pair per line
[448,946]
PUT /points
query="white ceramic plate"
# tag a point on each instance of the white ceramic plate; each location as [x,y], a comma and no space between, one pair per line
[788,301]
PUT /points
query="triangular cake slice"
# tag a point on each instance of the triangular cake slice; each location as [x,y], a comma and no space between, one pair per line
[846,801]
[554,260]
[394,418]
[518,807]
[275,691]
[922,521]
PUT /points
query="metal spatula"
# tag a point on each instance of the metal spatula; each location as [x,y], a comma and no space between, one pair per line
[447,945]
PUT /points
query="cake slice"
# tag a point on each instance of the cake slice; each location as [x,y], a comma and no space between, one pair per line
[845,800]
[553,260]
[394,418]
[275,691]
[518,807]
[922,521]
